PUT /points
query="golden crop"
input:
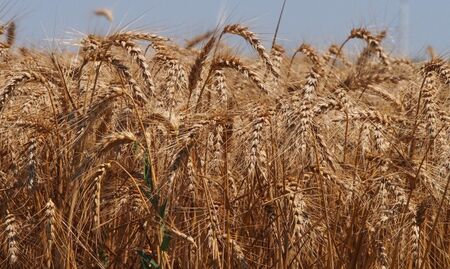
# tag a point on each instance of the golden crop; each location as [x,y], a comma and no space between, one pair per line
[137,152]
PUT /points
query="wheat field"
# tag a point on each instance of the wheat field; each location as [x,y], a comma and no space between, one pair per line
[136,151]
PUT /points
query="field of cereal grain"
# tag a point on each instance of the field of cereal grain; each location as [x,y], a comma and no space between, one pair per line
[139,152]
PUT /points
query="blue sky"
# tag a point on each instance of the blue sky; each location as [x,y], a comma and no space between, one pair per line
[319,22]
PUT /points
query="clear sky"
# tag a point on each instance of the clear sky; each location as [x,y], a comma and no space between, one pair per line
[319,22]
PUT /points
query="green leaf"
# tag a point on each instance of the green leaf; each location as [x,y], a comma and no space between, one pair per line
[103,256]
[148,172]
[154,200]
[147,261]
[135,146]
[154,264]
[162,209]
[166,241]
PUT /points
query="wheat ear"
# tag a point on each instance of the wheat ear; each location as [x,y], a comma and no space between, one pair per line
[11,238]
[236,64]
[251,38]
